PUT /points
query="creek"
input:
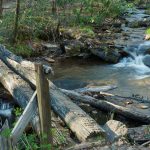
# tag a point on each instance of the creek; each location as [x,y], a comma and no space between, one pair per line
[131,74]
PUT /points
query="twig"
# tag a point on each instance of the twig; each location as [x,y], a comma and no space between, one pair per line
[146,143]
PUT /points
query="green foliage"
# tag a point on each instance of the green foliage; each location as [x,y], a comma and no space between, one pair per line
[21,49]
[137,2]
[6,133]
[87,30]
[18,111]
[33,21]
[148,31]
[36,20]
[91,11]
[28,142]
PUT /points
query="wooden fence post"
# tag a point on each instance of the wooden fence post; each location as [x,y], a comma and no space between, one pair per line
[42,87]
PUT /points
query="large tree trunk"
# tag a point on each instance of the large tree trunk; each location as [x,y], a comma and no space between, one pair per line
[112,105]
[78,121]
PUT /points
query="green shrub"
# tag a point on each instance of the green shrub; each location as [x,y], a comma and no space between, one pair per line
[91,11]
[148,31]
[36,20]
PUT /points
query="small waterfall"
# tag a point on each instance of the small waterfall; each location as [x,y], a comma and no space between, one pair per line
[138,60]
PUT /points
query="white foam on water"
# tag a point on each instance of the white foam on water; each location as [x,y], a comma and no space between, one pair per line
[135,62]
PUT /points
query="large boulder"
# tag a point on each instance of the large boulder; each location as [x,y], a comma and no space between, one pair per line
[106,54]
[73,47]
[146,60]
[115,130]
[144,48]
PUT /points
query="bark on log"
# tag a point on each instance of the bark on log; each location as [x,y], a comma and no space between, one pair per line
[123,98]
[88,145]
[138,104]
[129,111]
[78,121]
[21,92]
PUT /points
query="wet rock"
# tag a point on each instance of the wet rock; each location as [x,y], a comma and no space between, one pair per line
[143,48]
[49,60]
[147,37]
[106,54]
[140,23]
[50,47]
[140,134]
[85,55]
[6,111]
[115,130]
[73,48]
[146,60]
[132,48]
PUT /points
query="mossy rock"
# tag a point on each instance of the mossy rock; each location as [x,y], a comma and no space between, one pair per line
[77,33]
[73,48]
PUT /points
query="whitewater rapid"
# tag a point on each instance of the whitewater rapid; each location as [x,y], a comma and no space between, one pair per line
[135,60]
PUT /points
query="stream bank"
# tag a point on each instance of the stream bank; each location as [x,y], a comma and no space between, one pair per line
[72,73]
[130,74]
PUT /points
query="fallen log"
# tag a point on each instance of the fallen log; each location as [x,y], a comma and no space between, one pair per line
[88,145]
[127,98]
[14,62]
[78,121]
[22,93]
[129,111]
[96,89]
[125,101]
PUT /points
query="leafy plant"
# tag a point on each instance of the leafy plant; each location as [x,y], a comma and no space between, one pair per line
[18,111]
[148,31]
[5,133]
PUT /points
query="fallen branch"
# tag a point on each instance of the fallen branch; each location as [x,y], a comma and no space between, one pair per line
[128,111]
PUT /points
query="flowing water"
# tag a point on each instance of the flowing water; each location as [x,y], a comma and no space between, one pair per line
[131,75]
[136,60]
